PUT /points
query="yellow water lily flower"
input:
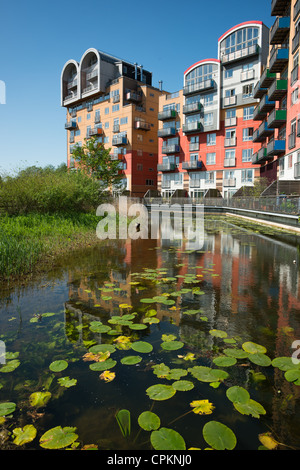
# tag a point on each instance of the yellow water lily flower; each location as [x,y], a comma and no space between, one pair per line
[202,407]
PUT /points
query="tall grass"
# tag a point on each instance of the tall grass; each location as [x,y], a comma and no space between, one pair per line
[44,212]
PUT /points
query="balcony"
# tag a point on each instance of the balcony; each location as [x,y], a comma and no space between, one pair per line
[143,125]
[192,165]
[168,114]
[133,96]
[292,140]
[94,131]
[275,147]
[72,84]
[116,98]
[194,146]
[259,92]
[263,108]
[297,170]
[199,87]
[296,9]
[295,42]
[166,132]
[166,166]
[278,7]
[192,127]
[195,183]
[171,148]
[277,118]
[230,142]
[92,75]
[277,90]
[279,30]
[191,107]
[260,134]
[229,162]
[267,78]
[247,75]
[119,140]
[71,96]
[260,156]
[230,100]
[278,59]
[240,54]
[229,182]
[70,125]
[230,122]
[166,184]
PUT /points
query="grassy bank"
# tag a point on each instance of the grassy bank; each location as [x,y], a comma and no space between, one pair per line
[31,242]
[44,212]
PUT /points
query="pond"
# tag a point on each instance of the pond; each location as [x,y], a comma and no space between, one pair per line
[203,340]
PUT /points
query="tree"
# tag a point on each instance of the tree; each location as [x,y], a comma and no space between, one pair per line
[96,161]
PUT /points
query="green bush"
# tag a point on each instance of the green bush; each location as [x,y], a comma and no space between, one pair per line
[48,190]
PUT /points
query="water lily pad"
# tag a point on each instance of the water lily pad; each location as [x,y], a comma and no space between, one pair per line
[219,436]
[58,437]
[149,421]
[67,382]
[142,346]
[24,435]
[58,366]
[10,366]
[183,385]
[131,360]
[206,374]
[252,348]
[224,361]
[172,345]
[167,439]
[260,359]
[251,407]
[102,348]
[284,363]
[99,366]
[293,375]
[160,392]
[237,353]
[39,399]
[137,326]
[7,408]
[238,394]
[218,333]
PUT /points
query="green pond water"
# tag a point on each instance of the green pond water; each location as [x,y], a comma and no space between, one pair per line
[241,288]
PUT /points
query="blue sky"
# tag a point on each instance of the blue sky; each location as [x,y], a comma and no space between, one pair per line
[37,38]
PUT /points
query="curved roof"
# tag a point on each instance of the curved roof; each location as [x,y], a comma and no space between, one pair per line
[241,25]
[216,61]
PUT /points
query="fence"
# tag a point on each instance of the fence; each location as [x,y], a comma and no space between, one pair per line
[276,204]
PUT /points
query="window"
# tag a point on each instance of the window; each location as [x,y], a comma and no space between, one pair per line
[124,120]
[210,158]
[230,113]
[247,134]
[248,113]
[247,155]
[208,119]
[115,108]
[88,116]
[290,161]
[209,99]
[247,176]
[229,154]
[106,110]
[211,139]
[106,125]
[193,157]
[240,39]
[228,73]
[149,182]
[294,96]
[247,91]
[209,177]
[230,92]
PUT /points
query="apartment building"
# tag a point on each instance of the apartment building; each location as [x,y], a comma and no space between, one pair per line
[278,110]
[114,101]
[206,129]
